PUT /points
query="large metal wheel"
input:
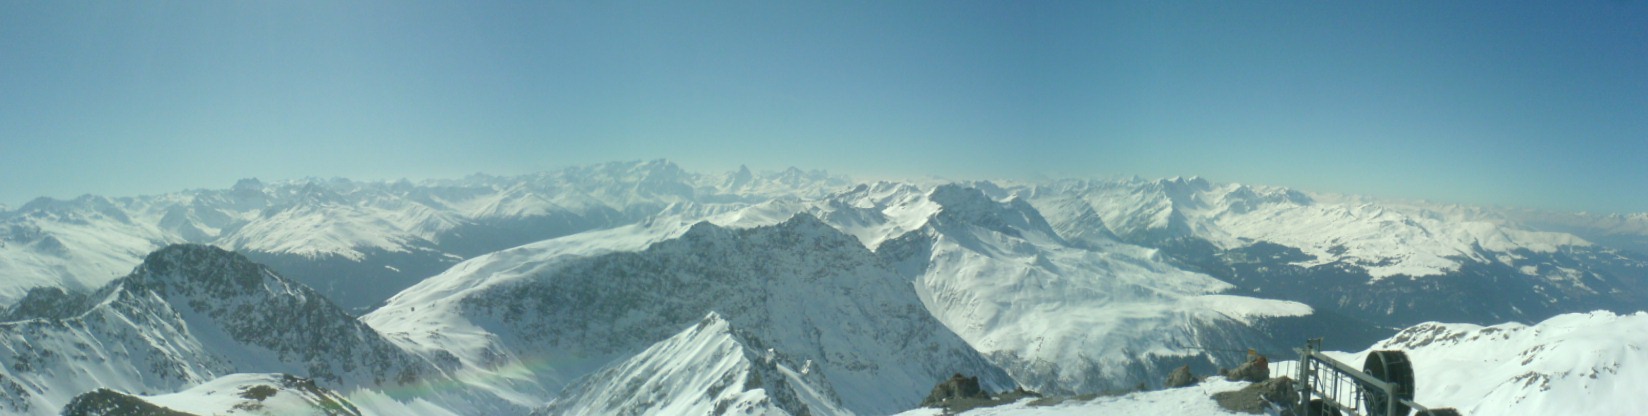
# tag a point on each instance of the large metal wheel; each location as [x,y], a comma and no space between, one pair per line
[1390,366]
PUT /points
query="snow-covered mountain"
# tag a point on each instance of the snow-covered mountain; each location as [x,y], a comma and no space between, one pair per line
[1059,317]
[564,308]
[1389,262]
[360,242]
[188,314]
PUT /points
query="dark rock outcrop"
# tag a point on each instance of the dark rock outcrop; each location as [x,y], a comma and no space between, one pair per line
[1180,377]
[955,389]
[1254,398]
[1255,370]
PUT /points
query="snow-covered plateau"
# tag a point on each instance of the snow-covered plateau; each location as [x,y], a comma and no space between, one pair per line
[642,288]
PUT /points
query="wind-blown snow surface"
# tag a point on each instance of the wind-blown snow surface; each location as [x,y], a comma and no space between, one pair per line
[1578,364]
[528,322]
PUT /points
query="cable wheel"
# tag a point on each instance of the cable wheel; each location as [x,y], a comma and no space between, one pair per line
[1389,366]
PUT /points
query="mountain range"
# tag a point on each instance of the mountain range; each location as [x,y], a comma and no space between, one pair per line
[641,288]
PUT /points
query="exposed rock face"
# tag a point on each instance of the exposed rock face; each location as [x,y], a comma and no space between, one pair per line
[1253,398]
[958,387]
[1180,377]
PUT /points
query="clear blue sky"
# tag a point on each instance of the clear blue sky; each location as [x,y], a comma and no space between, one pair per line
[1538,104]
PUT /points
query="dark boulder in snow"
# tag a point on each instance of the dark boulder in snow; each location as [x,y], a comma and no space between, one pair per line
[1180,377]
[957,388]
[1255,370]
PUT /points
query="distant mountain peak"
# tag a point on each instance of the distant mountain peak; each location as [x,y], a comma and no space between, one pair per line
[248,184]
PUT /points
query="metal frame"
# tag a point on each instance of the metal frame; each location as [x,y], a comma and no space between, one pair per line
[1339,378]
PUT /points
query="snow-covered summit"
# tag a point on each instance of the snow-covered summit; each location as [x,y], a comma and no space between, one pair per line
[708,368]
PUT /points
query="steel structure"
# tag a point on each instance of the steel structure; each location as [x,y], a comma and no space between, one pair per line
[1383,387]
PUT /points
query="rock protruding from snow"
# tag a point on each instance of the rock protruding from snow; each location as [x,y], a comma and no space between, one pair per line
[955,388]
[1180,377]
[1255,370]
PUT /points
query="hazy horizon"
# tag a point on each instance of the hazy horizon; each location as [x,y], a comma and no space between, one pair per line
[1540,106]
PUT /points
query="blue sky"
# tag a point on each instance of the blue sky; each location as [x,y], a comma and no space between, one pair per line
[1537,104]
